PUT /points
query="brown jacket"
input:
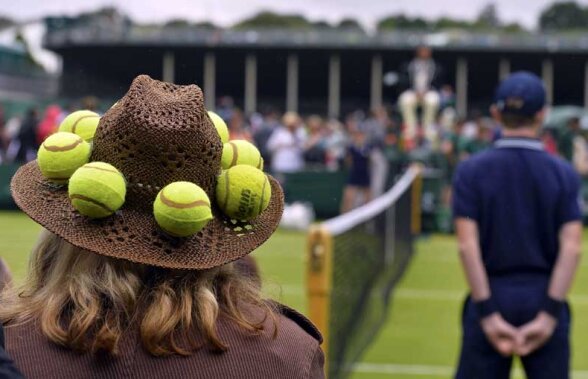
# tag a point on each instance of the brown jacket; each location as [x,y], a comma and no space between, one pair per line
[295,353]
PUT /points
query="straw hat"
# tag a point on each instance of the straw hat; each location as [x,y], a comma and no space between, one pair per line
[158,133]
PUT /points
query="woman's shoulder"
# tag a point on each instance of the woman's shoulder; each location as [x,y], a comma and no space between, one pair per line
[289,325]
[296,322]
[296,344]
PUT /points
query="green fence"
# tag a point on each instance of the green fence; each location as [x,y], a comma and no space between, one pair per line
[323,189]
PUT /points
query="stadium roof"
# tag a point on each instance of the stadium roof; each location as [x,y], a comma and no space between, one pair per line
[32,33]
[127,35]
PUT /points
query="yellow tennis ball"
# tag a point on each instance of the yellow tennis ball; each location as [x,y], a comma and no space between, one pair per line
[61,154]
[238,152]
[220,125]
[82,123]
[97,189]
[243,192]
[182,209]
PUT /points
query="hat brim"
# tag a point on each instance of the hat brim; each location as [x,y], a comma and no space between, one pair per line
[134,235]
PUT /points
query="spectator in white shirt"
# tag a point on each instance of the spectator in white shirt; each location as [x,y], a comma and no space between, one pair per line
[422,73]
[286,145]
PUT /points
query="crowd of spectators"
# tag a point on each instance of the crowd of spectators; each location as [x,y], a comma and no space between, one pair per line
[22,133]
[359,143]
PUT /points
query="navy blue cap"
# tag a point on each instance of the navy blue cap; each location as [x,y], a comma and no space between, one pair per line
[521,93]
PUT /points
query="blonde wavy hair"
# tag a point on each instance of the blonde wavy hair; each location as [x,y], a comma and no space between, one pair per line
[86,301]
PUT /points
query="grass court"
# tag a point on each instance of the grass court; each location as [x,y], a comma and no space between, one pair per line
[421,337]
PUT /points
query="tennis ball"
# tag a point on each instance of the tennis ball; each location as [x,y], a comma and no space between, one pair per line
[220,125]
[238,152]
[243,192]
[97,189]
[61,154]
[182,209]
[82,123]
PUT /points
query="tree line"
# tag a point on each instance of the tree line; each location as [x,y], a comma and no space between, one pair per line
[559,16]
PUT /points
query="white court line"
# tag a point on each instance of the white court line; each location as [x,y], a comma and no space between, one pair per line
[425,370]
[416,370]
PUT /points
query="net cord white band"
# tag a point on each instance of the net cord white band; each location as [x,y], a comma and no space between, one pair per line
[338,225]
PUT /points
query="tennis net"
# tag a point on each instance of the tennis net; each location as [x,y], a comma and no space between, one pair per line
[354,262]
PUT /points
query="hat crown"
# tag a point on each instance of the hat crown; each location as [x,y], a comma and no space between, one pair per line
[157,134]
[522,92]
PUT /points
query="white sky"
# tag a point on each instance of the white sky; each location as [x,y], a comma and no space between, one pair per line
[226,12]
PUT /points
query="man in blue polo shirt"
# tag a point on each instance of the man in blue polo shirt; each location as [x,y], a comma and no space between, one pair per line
[518,224]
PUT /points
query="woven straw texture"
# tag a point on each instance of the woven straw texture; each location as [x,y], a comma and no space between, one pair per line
[157,134]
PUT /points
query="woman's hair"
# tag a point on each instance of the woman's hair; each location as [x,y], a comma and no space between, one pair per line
[86,301]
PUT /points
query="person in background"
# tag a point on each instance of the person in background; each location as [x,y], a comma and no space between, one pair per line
[3,140]
[453,147]
[286,145]
[27,137]
[65,111]
[90,307]
[447,114]
[225,108]
[375,125]
[237,127]
[49,124]
[255,121]
[11,131]
[315,146]
[90,103]
[422,76]
[565,144]
[549,141]
[519,231]
[580,155]
[482,141]
[358,163]
[336,142]
[471,124]
[375,128]
[262,135]
[449,150]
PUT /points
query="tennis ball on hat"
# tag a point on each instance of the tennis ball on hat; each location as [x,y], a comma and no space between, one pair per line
[238,152]
[97,189]
[182,209]
[220,125]
[82,123]
[61,154]
[243,192]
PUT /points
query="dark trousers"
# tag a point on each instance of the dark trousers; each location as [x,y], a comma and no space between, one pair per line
[519,300]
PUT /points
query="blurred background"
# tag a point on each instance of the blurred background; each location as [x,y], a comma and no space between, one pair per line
[330,73]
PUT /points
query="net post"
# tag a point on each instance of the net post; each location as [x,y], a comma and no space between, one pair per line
[319,281]
[416,193]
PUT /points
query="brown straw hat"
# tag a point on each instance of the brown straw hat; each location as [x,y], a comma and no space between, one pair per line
[158,133]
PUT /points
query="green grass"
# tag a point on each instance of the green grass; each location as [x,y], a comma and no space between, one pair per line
[422,331]
[18,235]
